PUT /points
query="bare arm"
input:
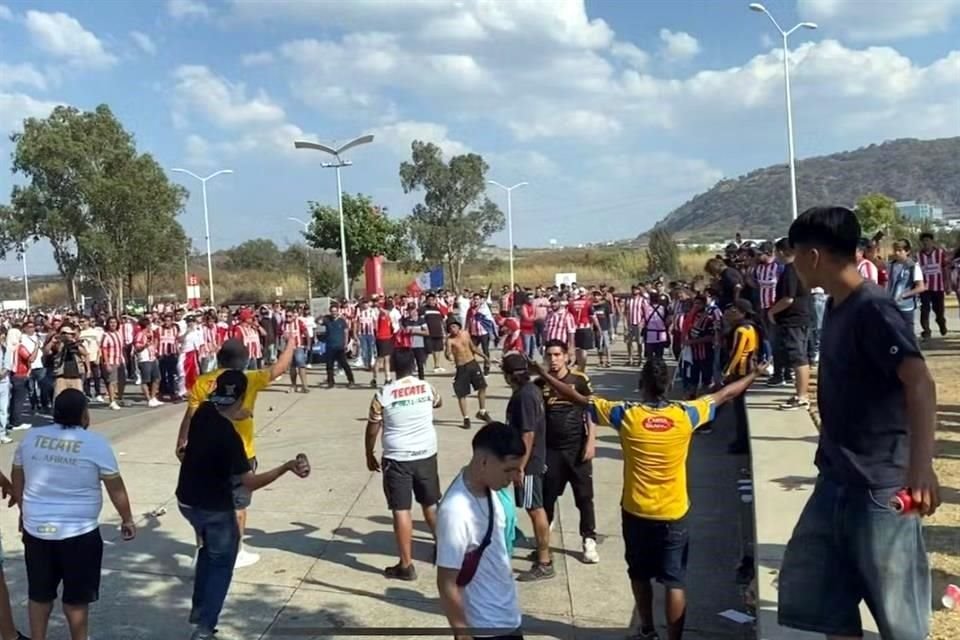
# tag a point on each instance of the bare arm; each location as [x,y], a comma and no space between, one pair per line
[282,365]
[734,389]
[920,393]
[184,429]
[253,481]
[451,600]
[528,443]
[16,484]
[117,492]
[370,443]
[565,391]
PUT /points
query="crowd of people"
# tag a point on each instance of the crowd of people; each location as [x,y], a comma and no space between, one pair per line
[820,296]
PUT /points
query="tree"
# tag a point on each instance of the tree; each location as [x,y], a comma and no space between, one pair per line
[663,257]
[259,254]
[368,232]
[455,219]
[876,212]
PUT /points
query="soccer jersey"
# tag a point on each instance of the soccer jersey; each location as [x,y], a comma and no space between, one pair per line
[655,439]
[744,344]
[766,276]
[256,382]
[931,265]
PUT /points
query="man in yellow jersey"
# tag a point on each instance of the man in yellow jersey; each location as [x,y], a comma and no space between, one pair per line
[233,355]
[655,435]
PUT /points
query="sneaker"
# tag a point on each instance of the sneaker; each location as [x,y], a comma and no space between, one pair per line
[590,555]
[20,636]
[484,415]
[439,370]
[246,559]
[153,402]
[466,423]
[100,399]
[398,572]
[5,439]
[202,634]
[373,384]
[795,403]
[644,635]
[114,406]
[775,381]
[537,572]
[21,427]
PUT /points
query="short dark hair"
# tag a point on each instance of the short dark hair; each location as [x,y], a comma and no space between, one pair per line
[902,243]
[555,343]
[68,408]
[655,377]
[233,354]
[926,235]
[834,230]
[782,245]
[402,362]
[499,439]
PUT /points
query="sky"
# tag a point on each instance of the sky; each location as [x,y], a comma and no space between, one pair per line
[613,112]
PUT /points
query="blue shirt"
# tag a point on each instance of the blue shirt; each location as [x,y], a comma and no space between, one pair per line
[337,331]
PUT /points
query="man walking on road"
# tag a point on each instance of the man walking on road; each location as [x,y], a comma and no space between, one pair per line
[463,351]
[234,355]
[655,435]
[336,336]
[878,404]
[403,411]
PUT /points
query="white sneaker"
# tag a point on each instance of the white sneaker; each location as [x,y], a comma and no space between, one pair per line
[100,400]
[154,403]
[5,439]
[590,555]
[553,523]
[21,427]
[114,406]
[246,559]
[439,370]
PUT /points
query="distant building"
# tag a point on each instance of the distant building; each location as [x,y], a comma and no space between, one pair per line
[913,210]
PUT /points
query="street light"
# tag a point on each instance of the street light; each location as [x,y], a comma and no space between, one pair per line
[335,152]
[206,221]
[756,6]
[306,230]
[26,279]
[509,191]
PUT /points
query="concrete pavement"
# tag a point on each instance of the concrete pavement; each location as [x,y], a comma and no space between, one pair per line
[323,541]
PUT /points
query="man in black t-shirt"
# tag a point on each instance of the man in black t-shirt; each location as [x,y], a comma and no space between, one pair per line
[570,447]
[525,412]
[603,312]
[434,318]
[877,403]
[789,317]
[728,282]
[212,459]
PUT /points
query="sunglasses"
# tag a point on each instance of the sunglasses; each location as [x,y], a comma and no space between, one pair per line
[471,560]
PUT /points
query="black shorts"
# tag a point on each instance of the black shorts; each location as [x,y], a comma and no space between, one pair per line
[530,493]
[468,376]
[74,561]
[792,342]
[656,549]
[434,345]
[149,372]
[583,339]
[403,478]
[384,348]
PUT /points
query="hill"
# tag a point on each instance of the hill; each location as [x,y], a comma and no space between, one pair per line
[758,204]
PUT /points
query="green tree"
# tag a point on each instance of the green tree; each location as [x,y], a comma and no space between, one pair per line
[259,254]
[455,219]
[876,212]
[663,257]
[368,232]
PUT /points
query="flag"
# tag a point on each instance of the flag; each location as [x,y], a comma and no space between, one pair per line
[426,281]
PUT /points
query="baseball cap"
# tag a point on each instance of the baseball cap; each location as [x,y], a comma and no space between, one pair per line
[233,354]
[514,362]
[231,385]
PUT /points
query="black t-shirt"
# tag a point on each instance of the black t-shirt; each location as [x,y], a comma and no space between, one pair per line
[789,286]
[434,319]
[70,355]
[214,455]
[601,310]
[525,412]
[566,428]
[728,282]
[864,432]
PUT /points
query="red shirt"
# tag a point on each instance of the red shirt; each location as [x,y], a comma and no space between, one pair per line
[251,340]
[582,311]
[528,319]
[513,338]
[384,325]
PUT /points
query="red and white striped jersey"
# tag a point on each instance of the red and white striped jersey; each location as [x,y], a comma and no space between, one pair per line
[223,332]
[251,340]
[931,264]
[634,310]
[367,321]
[559,325]
[111,349]
[766,276]
[168,339]
[146,349]
[868,271]
[474,324]
[582,312]
[296,331]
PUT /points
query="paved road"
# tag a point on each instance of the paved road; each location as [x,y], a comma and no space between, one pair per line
[325,540]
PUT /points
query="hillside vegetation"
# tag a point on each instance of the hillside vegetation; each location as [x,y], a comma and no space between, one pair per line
[758,204]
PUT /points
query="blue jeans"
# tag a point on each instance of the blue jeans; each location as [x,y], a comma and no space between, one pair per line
[850,546]
[4,405]
[368,350]
[530,345]
[819,308]
[219,538]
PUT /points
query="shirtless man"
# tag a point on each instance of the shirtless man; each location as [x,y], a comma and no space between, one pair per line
[461,349]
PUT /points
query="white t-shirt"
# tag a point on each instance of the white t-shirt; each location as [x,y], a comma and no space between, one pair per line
[62,470]
[406,409]
[193,340]
[395,318]
[490,599]
[31,343]
[311,324]
[91,342]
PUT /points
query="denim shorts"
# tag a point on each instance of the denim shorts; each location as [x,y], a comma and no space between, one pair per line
[850,546]
[656,549]
[299,358]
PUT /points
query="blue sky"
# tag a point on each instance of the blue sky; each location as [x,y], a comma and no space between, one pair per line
[614,112]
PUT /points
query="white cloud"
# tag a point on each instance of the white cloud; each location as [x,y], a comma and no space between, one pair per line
[144,41]
[5,13]
[631,54]
[589,125]
[180,9]
[398,136]
[463,27]
[257,59]
[678,45]
[21,74]
[882,20]
[63,36]
[15,107]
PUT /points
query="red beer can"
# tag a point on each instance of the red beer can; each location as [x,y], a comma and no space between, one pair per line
[902,502]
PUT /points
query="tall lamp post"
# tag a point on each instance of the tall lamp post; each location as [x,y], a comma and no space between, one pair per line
[306,230]
[509,191]
[206,221]
[26,279]
[338,164]
[756,6]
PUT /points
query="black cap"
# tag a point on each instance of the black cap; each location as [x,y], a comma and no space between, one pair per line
[744,306]
[514,362]
[231,385]
[233,354]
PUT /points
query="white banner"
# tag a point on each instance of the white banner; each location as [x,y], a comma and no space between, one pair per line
[564,278]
